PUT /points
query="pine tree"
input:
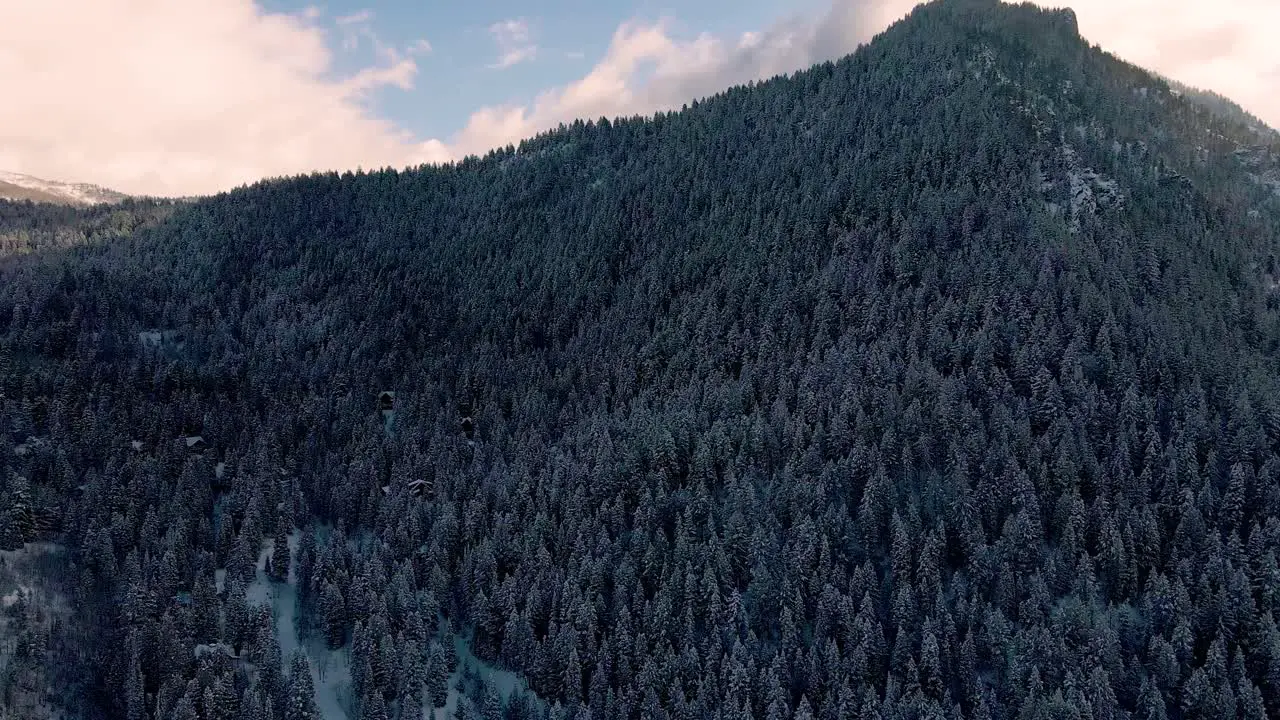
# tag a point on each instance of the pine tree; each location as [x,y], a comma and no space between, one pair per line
[437,674]
[135,697]
[220,701]
[466,709]
[185,709]
[492,707]
[333,612]
[280,555]
[205,607]
[300,701]
[7,373]
[373,707]
[411,706]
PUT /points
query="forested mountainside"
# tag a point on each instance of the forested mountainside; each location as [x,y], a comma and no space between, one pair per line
[942,381]
[28,227]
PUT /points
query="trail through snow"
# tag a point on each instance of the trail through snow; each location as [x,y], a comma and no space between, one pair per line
[330,669]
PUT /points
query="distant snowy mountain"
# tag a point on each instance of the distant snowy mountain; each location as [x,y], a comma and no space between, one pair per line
[16,186]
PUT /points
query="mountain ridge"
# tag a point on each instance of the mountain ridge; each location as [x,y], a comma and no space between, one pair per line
[17,186]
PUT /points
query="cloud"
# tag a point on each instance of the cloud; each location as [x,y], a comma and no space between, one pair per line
[1228,46]
[358,27]
[1224,46]
[646,68]
[156,97]
[356,18]
[515,43]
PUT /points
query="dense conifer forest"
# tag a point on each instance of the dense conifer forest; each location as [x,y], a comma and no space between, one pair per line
[942,381]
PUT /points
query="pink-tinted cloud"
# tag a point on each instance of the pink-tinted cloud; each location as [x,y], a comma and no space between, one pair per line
[1228,46]
[161,97]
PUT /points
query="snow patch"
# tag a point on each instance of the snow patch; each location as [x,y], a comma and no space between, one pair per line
[1262,165]
[214,649]
[158,339]
[31,575]
[1087,191]
[12,597]
[330,669]
[462,681]
[73,193]
[505,682]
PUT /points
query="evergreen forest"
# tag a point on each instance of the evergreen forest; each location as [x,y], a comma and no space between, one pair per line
[938,382]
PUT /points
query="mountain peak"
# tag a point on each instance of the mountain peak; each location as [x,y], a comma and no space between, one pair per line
[17,186]
[1027,20]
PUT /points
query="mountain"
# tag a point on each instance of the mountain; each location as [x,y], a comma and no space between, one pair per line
[16,186]
[942,381]
[1223,106]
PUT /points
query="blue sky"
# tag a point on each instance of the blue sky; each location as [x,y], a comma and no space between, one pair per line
[457,76]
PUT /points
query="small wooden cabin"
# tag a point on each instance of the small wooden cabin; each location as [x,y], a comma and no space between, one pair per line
[195,444]
[387,400]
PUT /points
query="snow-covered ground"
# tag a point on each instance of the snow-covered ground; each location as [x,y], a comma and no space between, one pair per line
[331,669]
[22,573]
[72,193]
[508,684]
[1087,191]
[30,574]
[1262,165]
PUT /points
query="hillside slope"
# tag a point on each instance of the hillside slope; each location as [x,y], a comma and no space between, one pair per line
[941,381]
[16,186]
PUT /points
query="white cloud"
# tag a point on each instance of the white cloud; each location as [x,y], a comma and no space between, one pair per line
[152,96]
[646,68]
[515,43]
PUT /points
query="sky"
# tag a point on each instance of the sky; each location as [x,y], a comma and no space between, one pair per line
[188,97]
